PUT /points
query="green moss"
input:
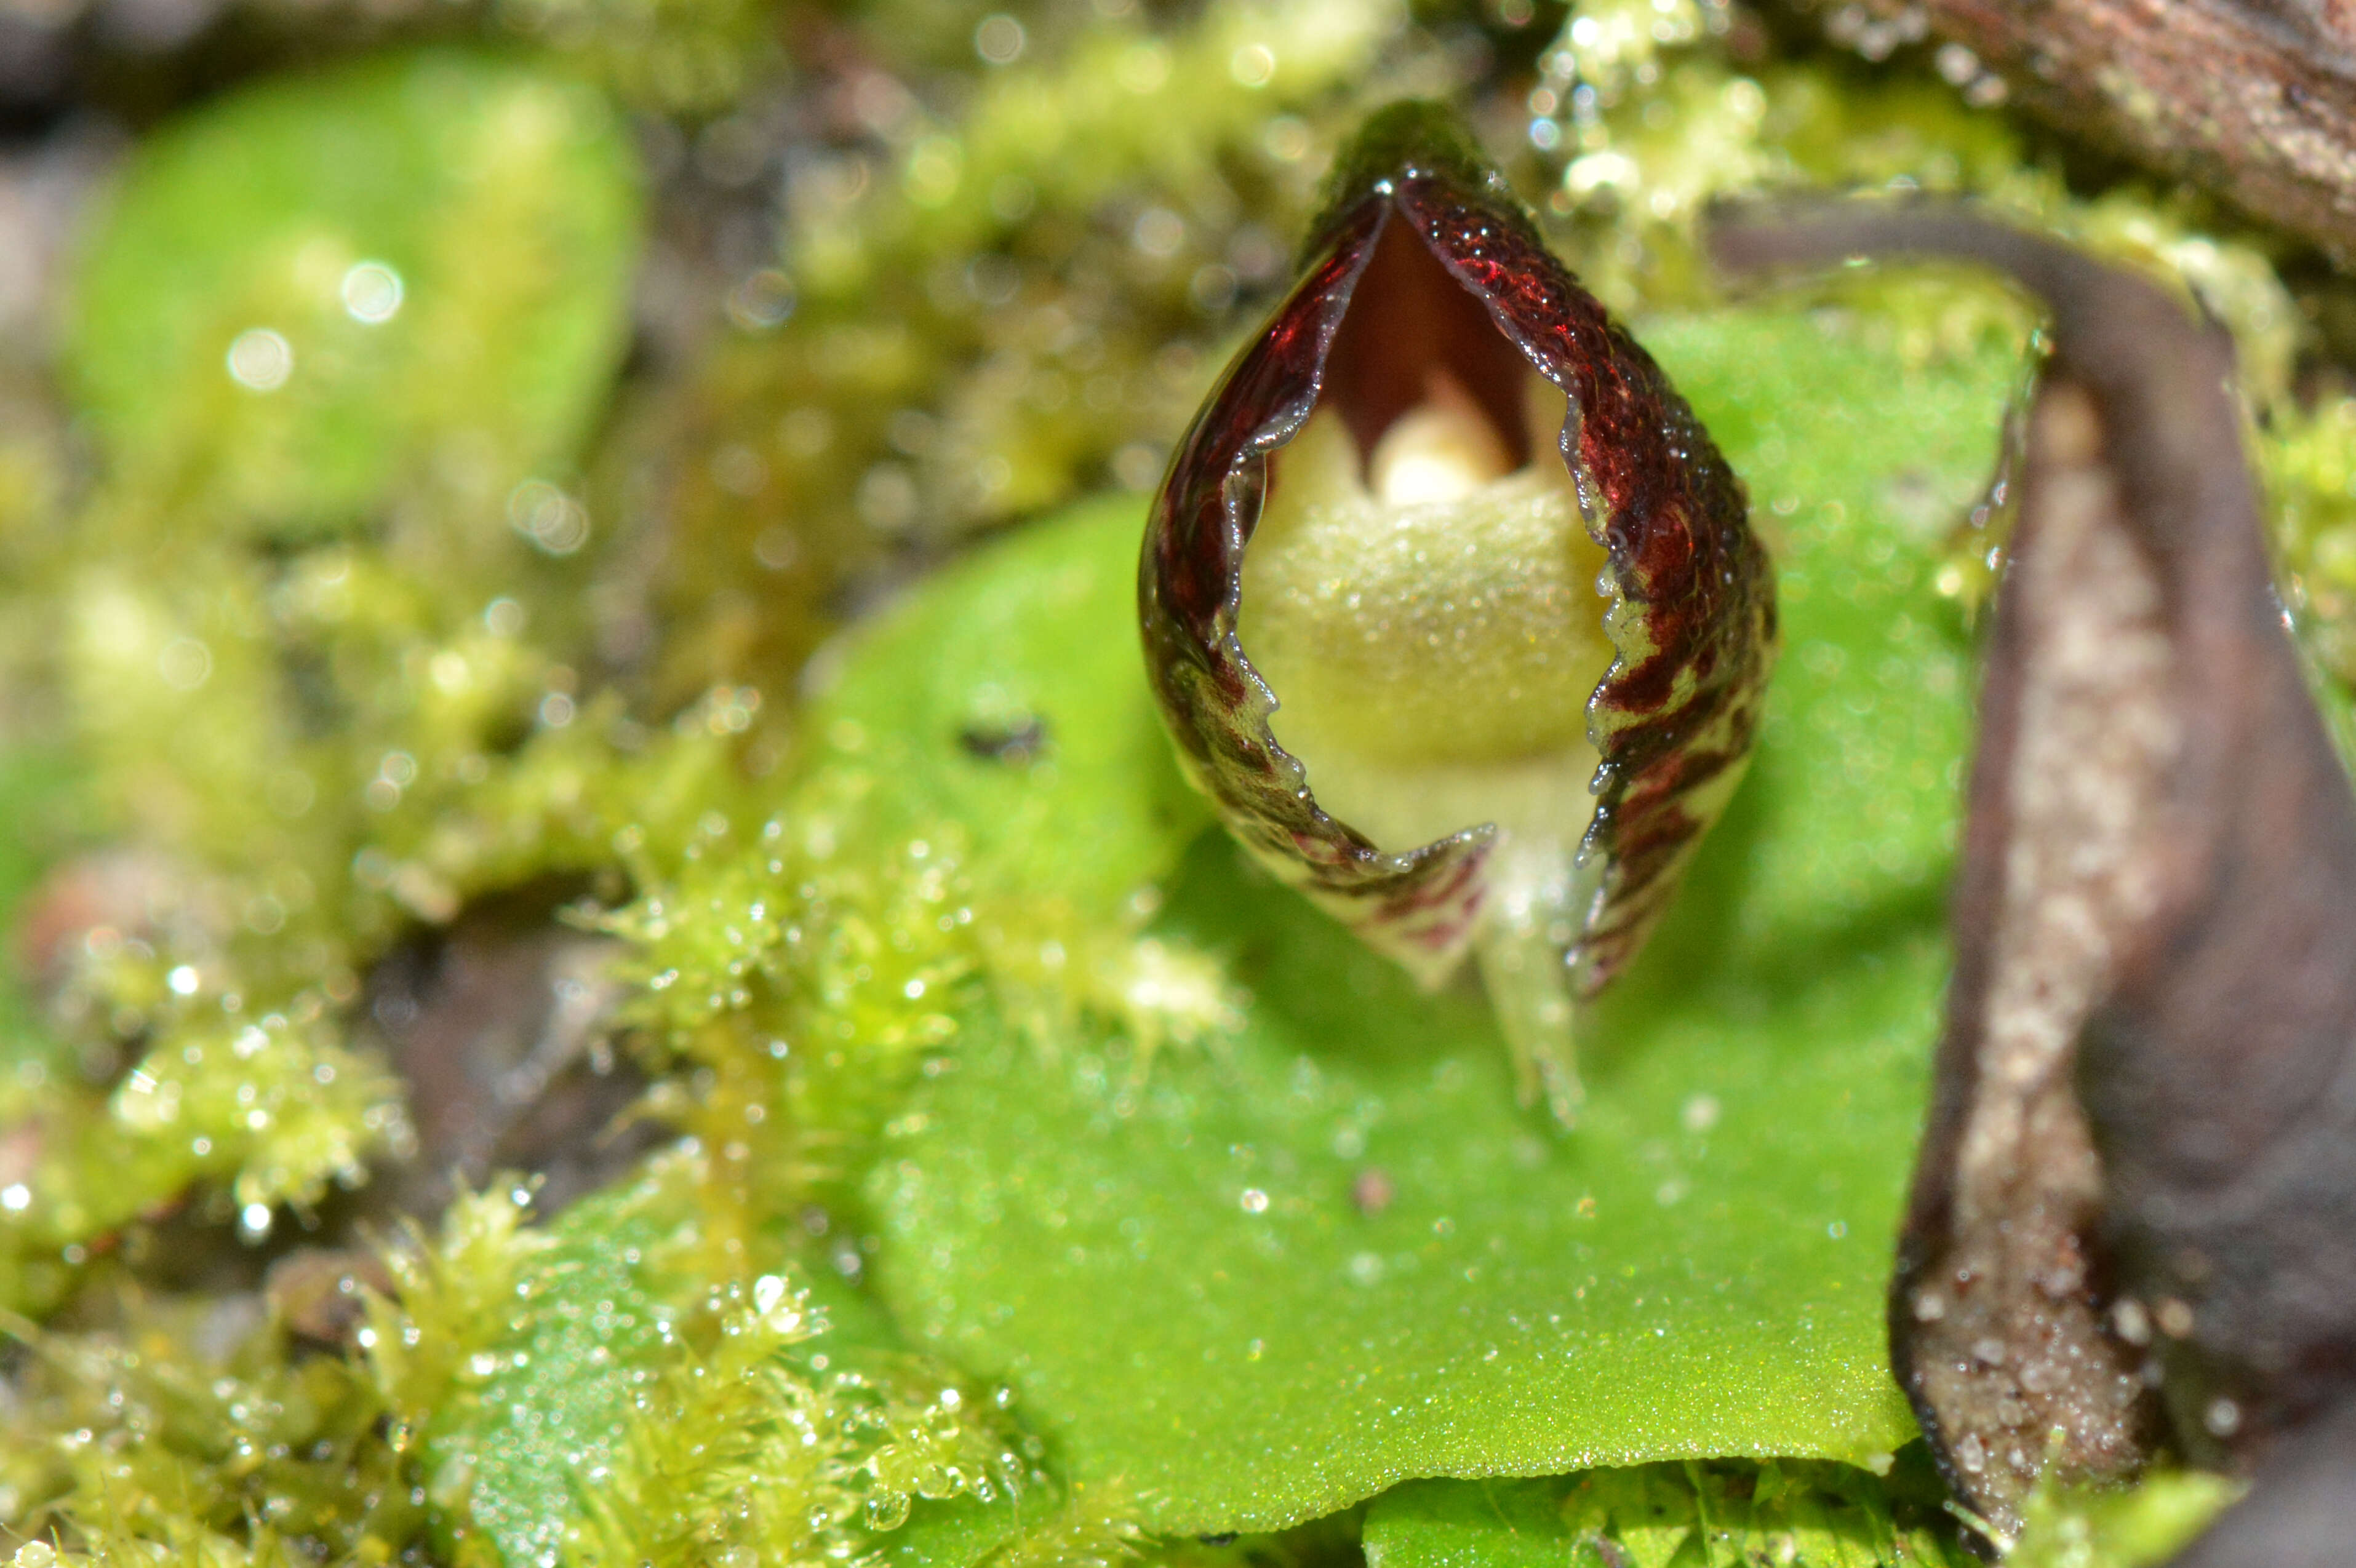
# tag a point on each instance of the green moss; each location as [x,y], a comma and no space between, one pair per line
[190,1428]
[2309,464]
[435,245]
[986,314]
[621,1407]
[818,965]
[2125,1529]
[689,58]
[1716,1515]
[330,596]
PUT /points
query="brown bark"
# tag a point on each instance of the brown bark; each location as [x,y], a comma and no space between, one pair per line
[2252,100]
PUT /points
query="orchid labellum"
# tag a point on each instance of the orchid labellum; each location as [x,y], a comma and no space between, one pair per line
[1449,601]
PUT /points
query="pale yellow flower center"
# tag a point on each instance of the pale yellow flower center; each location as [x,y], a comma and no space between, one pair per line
[1432,630]
[1431,622]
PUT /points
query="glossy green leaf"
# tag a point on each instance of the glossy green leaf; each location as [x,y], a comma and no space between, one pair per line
[1009,698]
[414,268]
[1333,1253]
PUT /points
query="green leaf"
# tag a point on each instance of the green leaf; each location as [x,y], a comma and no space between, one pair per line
[1280,1276]
[1008,697]
[1177,1276]
[1468,1524]
[440,244]
[551,1397]
[952,1534]
[1719,1515]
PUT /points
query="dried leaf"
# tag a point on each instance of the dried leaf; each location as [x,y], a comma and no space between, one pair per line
[2132,1212]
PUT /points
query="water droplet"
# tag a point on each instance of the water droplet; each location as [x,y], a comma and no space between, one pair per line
[2132,1322]
[371,293]
[545,515]
[1000,40]
[260,360]
[184,664]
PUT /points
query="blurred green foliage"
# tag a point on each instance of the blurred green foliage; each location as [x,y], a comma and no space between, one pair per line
[413,280]
[288,619]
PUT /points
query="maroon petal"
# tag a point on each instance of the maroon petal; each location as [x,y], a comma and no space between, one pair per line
[1692,618]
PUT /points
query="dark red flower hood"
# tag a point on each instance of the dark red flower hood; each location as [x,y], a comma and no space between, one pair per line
[1690,611]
